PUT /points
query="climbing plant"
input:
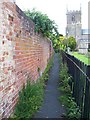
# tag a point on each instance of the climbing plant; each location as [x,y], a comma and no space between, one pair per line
[46,26]
[42,22]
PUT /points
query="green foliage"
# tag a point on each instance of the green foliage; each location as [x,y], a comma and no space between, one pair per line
[54,39]
[73,110]
[31,96]
[64,79]
[58,42]
[42,23]
[30,99]
[46,26]
[72,43]
[45,75]
[62,43]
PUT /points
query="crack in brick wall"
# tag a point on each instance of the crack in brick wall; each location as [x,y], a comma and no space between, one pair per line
[22,52]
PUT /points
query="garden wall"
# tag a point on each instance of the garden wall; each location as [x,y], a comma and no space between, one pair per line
[22,52]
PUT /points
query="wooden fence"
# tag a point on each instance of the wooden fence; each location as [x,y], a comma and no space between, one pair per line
[80,84]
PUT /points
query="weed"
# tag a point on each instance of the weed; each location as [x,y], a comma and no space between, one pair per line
[72,110]
[31,96]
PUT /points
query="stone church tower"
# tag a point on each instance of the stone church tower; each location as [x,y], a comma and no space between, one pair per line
[74,25]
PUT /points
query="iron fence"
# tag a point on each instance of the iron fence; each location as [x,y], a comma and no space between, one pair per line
[80,84]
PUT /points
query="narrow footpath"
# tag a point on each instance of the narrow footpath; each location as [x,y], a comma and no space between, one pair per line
[51,107]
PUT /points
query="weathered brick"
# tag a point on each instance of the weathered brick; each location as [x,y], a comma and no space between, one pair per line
[22,52]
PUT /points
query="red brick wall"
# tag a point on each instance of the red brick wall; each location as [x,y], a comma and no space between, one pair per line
[22,52]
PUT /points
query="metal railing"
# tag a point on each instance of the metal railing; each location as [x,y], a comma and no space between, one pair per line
[80,84]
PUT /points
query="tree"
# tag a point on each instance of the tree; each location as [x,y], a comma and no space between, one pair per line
[71,43]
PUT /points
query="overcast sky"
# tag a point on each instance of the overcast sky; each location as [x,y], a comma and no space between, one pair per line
[56,10]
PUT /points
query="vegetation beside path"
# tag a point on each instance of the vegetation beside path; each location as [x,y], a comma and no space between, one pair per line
[72,110]
[31,96]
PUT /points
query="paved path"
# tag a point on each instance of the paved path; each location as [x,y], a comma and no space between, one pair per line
[51,107]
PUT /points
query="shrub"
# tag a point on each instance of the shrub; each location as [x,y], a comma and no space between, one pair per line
[72,43]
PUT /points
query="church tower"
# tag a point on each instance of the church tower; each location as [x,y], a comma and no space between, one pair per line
[74,25]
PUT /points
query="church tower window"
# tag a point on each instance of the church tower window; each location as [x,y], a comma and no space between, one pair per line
[73,18]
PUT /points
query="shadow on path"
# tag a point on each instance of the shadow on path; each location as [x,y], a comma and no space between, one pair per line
[51,107]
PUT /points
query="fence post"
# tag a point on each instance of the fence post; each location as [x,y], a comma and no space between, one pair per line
[87,96]
[81,83]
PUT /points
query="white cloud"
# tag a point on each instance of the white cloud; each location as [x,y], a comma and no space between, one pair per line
[56,9]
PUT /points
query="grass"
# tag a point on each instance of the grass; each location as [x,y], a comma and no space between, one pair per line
[82,57]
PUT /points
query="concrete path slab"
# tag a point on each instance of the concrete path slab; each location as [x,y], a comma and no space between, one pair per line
[51,107]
